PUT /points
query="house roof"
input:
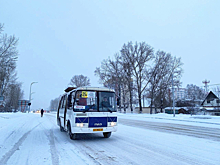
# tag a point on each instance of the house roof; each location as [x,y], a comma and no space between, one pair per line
[69,89]
[177,108]
[210,97]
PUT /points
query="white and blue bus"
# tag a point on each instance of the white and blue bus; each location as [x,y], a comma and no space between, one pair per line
[87,110]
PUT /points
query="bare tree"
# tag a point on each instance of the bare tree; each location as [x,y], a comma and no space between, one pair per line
[111,75]
[13,94]
[158,71]
[8,58]
[128,82]
[164,67]
[109,72]
[79,81]
[194,92]
[54,104]
[137,63]
[139,56]
[9,88]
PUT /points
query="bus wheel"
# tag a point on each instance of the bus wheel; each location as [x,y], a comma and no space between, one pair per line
[71,135]
[107,134]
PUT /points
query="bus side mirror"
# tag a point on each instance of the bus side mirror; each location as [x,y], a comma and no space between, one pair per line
[69,104]
[77,101]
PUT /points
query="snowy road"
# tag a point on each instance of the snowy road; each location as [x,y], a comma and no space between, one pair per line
[180,129]
[29,139]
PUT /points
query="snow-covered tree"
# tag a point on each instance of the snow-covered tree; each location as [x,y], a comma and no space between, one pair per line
[80,80]
[194,92]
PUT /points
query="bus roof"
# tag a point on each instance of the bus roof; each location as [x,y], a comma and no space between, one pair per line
[90,88]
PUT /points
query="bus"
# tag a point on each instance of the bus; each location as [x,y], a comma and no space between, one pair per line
[87,110]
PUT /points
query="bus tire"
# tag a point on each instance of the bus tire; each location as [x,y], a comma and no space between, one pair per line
[107,134]
[71,135]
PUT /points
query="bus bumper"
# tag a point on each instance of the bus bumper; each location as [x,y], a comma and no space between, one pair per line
[94,129]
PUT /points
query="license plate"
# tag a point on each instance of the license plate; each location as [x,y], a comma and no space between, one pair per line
[100,129]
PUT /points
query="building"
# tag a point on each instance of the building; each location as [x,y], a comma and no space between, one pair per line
[211,104]
[178,110]
[179,93]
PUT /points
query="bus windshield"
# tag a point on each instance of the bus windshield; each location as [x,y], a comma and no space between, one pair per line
[107,101]
[87,101]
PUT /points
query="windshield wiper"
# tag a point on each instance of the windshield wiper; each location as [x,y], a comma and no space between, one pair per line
[107,108]
[87,109]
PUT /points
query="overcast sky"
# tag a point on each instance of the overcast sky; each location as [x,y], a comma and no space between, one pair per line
[60,39]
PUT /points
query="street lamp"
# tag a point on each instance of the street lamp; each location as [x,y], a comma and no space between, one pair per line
[30,96]
[173,97]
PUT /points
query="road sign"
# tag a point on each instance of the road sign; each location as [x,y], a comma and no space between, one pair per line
[23,105]
[23,102]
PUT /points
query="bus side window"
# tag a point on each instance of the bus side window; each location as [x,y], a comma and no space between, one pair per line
[69,101]
[73,97]
[60,103]
[77,98]
[63,101]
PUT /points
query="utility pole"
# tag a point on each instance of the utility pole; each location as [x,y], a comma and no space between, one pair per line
[173,97]
[206,85]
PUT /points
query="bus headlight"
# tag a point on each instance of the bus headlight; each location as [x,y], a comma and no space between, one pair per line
[79,124]
[113,124]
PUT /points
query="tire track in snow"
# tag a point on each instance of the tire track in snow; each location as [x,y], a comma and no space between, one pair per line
[14,131]
[82,148]
[53,150]
[99,156]
[4,117]
[65,151]
[89,159]
[8,155]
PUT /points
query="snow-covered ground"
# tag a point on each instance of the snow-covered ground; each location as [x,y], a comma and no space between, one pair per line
[157,139]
